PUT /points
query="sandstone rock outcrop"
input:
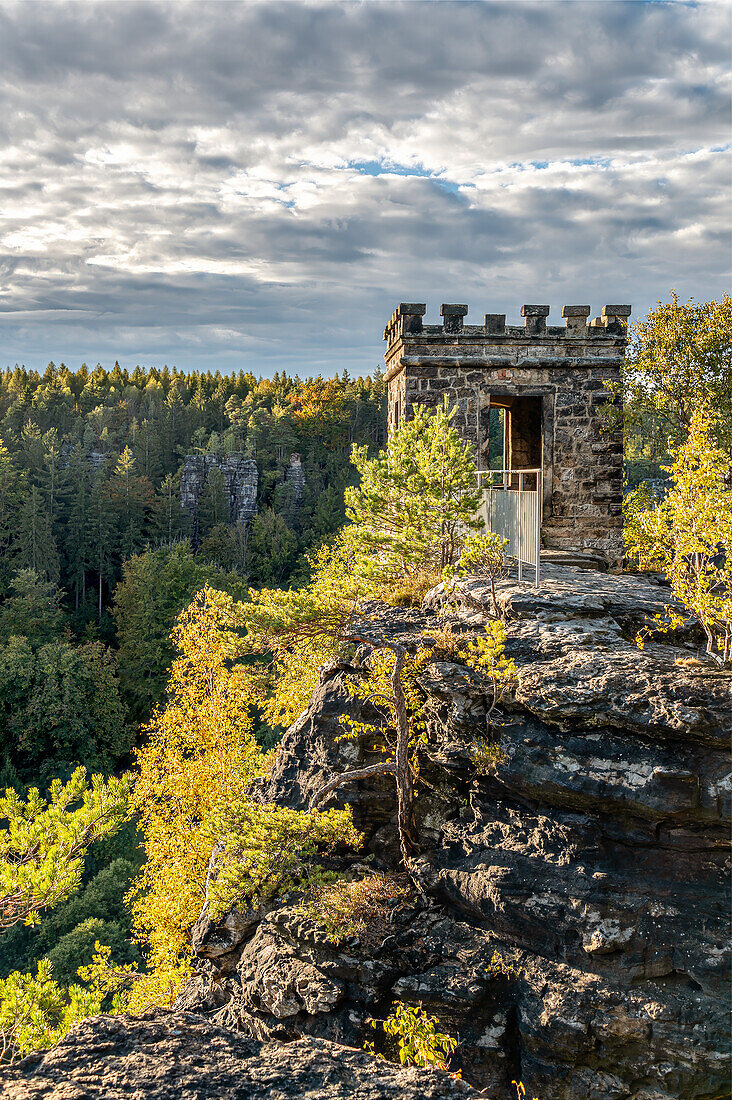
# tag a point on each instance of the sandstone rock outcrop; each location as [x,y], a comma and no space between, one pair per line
[573,929]
[240,483]
[295,476]
[160,1056]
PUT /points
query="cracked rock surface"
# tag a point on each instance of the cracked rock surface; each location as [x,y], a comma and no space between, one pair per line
[160,1056]
[574,929]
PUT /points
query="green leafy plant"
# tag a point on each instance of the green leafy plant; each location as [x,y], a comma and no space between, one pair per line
[487,655]
[688,536]
[417,499]
[36,1011]
[43,845]
[266,850]
[419,1041]
[679,360]
[482,555]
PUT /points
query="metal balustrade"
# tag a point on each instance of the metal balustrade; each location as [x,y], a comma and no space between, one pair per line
[511,507]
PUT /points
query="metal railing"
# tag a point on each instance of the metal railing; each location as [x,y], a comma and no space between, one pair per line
[511,507]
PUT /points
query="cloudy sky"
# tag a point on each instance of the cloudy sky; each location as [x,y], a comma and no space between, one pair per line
[256,185]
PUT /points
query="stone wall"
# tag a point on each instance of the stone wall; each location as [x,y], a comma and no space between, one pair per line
[565,367]
[240,480]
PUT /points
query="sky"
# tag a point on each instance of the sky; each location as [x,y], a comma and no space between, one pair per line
[256,186]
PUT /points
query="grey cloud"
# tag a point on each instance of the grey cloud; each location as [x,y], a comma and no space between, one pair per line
[175,180]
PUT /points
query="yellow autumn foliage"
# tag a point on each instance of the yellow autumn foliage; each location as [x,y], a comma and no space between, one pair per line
[207,841]
[199,755]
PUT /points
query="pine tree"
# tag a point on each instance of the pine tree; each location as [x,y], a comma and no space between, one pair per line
[77,545]
[417,500]
[36,544]
[102,533]
[11,490]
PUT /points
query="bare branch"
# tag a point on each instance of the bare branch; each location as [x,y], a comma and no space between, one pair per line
[383,768]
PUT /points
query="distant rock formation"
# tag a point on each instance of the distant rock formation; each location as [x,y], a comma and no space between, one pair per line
[240,481]
[295,476]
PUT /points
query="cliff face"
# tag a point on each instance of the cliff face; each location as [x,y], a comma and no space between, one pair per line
[592,861]
[240,483]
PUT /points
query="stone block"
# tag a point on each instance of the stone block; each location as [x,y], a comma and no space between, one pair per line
[576,319]
[534,319]
[495,323]
[453,317]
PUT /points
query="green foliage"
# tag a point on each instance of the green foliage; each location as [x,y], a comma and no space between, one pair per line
[408,520]
[207,841]
[77,947]
[486,756]
[156,586]
[417,499]
[90,466]
[376,688]
[678,361]
[100,896]
[35,1011]
[304,629]
[688,536]
[60,705]
[225,546]
[419,1041]
[43,845]
[487,655]
[271,548]
[267,850]
[31,609]
[482,555]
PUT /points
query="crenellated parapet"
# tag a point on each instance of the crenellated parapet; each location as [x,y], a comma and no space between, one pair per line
[408,320]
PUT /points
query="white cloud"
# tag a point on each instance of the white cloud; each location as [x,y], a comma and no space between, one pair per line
[257,185]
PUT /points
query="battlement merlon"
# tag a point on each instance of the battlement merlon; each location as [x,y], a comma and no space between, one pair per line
[407,322]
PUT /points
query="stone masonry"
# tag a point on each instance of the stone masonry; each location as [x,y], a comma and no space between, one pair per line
[551,382]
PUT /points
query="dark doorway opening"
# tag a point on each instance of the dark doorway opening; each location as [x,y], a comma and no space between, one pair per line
[512,434]
[525,433]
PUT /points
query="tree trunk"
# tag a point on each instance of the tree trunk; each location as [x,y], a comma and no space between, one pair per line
[402,771]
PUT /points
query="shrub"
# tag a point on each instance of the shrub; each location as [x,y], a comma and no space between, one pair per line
[77,948]
[357,907]
[420,1043]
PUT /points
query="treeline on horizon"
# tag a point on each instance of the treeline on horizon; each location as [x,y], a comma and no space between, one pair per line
[90,466]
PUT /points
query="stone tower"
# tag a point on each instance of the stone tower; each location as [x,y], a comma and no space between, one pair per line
[527,396]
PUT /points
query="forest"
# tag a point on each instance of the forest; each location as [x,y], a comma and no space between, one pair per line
[97,558]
